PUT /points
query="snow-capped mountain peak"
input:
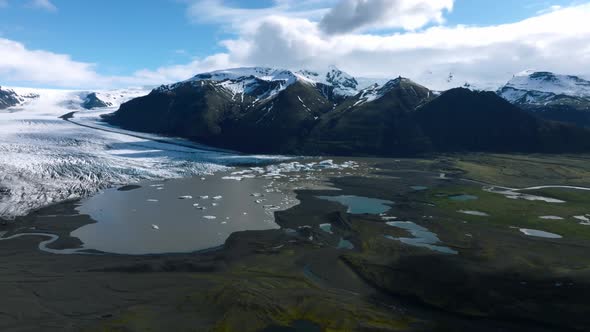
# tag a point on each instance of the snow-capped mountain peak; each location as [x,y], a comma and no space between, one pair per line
[548,82]
[377,91]
[542,88]
[261,73]
[264,83]
[343,83]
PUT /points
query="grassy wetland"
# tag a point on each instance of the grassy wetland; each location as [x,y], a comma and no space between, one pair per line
[325,269]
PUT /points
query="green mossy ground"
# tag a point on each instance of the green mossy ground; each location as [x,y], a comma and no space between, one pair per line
[519,213]
[500,280]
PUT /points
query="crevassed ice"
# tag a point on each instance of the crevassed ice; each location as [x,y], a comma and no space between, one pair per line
[44,159]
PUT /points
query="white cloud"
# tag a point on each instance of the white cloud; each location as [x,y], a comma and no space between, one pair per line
[216,11]
[43,4]
[18,63]
[354,15]
[293,36]
[168,74]
[549,9]
[22,65]
[485,56]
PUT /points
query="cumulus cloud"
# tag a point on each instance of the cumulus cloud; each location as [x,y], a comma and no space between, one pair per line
[289,36]
[168,74]
[485,56]
[217,11]
[43,4]
[19,63]
[353,15]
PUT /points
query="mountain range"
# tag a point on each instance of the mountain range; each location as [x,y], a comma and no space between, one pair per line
[19,98]
[270,110]
[265,110]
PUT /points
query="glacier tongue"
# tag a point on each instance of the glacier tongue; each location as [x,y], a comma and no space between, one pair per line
[44,159]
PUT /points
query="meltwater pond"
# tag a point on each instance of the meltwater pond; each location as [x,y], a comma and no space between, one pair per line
[361,205]
[422,237]
[182,215]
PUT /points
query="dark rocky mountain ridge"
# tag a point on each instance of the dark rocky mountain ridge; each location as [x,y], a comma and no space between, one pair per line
[8,98]
[293,114]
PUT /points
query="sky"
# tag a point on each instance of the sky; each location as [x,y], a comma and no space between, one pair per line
[114,43]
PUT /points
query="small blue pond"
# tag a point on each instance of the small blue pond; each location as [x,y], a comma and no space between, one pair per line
[345,244]
[361,205]
[422,237]
[327,228]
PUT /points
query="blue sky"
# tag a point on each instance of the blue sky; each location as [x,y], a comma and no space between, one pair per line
[119,38]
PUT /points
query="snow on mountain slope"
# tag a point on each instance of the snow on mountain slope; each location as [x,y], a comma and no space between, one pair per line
[552,83]
[262,73]
[117,97]
[530,87]
[376,91]
[257,82]
[8,98]
[248,81]
[343,83]
[369,94]
[44,159]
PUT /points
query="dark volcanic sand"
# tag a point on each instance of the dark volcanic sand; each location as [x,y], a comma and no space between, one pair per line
[278,279]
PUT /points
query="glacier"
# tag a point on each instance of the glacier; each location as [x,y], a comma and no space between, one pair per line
[45,159]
